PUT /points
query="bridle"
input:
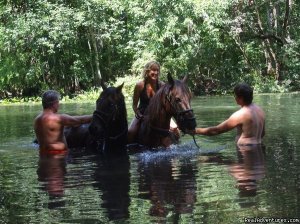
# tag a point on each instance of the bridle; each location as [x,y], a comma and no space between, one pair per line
[179,115]
[106,119]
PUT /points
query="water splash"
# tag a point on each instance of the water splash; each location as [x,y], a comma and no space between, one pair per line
[186,150]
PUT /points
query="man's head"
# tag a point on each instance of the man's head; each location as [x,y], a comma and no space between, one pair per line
[244,91]
[49,98]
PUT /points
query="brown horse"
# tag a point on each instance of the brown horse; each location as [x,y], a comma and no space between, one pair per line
[171,100]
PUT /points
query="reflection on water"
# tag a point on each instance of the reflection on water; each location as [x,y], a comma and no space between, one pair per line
[111,175]
[108,174]
[168,182]
[217,183]
[51,174]
[249,169]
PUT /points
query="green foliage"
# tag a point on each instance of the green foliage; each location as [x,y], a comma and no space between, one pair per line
[71,45]
[268,85]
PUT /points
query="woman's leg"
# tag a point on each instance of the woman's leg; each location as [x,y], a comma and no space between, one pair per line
[133,130]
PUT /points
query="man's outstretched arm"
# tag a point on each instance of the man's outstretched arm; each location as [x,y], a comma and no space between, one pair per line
[227,125]
[68,120]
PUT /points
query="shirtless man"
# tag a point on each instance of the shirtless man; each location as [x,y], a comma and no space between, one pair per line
[249,120]
[49,126]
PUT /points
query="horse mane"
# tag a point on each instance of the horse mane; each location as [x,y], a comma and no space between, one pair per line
[155,105]
[123,106]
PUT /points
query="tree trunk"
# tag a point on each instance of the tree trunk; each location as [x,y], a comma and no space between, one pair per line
[270,55]
[288,7]
[97,73]
[91,58]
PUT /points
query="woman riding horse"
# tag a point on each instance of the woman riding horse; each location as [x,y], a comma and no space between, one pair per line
[144,90]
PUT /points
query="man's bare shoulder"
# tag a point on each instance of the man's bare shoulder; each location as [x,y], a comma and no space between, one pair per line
[45,115]
[46,121]
[38,117]
[239,113]
[258,108]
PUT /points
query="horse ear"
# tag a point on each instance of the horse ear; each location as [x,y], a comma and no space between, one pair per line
[104,87]
[170,80]
[119,88]
[185,78]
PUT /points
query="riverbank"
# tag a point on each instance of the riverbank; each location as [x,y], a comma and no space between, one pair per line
[128,88]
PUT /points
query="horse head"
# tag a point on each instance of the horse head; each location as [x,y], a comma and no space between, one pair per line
[172,100]
[178,101]
[109,123]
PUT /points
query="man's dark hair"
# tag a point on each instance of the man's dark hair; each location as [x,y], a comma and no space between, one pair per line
[49,98]
[245,91]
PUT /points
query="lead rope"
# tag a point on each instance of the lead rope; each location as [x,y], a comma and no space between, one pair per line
[196,142]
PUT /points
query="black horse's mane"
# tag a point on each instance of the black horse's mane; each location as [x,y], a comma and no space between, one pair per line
[122,108]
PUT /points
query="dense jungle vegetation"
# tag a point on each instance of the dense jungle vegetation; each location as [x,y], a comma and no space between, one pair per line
[71,45]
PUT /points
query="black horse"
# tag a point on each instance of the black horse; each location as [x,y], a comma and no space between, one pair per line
[171,100]
[109,126]
[108,129]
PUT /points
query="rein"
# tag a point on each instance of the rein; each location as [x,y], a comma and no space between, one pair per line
[98,114]
[162,131]
[196,142]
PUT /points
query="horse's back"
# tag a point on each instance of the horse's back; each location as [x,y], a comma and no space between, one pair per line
[77,136]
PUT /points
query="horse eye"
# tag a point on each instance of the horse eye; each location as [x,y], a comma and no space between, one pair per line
[178,100]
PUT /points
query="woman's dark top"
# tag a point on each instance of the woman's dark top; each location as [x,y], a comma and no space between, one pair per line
[144,99]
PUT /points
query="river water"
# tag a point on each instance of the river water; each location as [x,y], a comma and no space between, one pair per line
[217,183]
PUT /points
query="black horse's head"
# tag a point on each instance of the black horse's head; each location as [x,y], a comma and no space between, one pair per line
[178,96]
[109,122]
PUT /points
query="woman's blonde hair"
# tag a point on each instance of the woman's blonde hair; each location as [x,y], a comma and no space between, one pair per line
[148,66]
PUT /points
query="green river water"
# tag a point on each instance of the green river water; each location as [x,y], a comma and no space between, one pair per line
[217,183]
